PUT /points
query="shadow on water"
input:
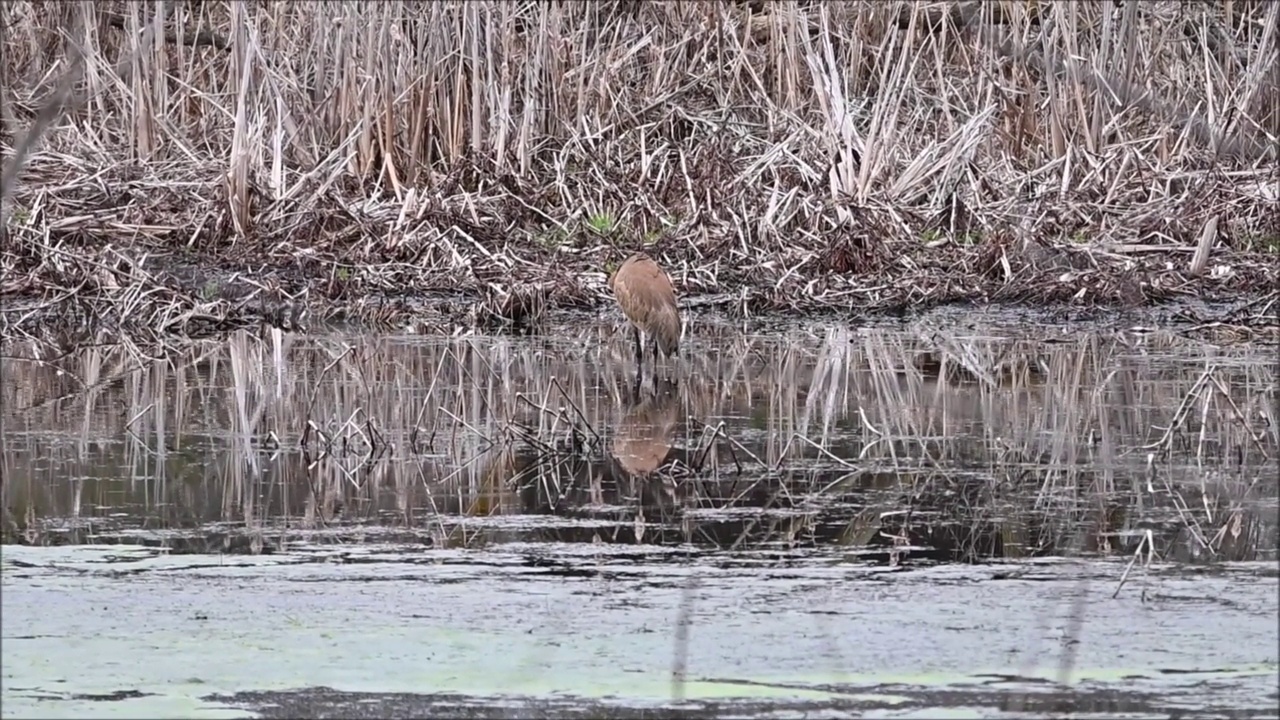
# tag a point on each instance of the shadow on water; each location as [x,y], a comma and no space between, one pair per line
[817,449]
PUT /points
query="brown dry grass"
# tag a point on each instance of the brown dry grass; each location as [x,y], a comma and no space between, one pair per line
[204,165]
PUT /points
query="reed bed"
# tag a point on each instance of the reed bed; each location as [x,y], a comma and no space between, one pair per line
[1098,439]
[190,168]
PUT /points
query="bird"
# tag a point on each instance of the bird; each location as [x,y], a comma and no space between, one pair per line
[647,299]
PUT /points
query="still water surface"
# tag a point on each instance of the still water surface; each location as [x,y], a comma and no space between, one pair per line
[877,521]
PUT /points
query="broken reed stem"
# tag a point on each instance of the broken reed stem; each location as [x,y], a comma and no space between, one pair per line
[1146,542]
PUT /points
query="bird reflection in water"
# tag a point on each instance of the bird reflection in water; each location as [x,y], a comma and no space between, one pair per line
[643,442]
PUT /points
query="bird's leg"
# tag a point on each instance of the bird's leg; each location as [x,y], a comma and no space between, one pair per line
[635,390]
[635,333]
[653,350]
[635,336]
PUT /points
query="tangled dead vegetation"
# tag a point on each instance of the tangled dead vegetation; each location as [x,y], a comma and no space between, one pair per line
[210,165]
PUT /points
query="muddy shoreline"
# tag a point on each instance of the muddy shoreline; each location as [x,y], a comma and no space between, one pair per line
[160,300]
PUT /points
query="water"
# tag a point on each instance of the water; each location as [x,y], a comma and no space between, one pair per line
[883,521]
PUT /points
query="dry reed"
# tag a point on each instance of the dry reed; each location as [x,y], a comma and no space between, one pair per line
[224,162]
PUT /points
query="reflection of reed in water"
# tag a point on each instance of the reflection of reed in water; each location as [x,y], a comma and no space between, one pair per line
[496,494]
[934,433]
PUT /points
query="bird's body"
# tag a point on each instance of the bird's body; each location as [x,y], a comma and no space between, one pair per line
[648,301]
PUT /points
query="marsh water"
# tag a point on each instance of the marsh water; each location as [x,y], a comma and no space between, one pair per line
[950,515]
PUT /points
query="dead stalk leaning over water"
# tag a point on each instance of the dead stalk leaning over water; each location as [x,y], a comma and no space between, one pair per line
[1147,542]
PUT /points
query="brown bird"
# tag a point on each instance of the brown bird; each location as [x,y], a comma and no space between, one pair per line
[645,294]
